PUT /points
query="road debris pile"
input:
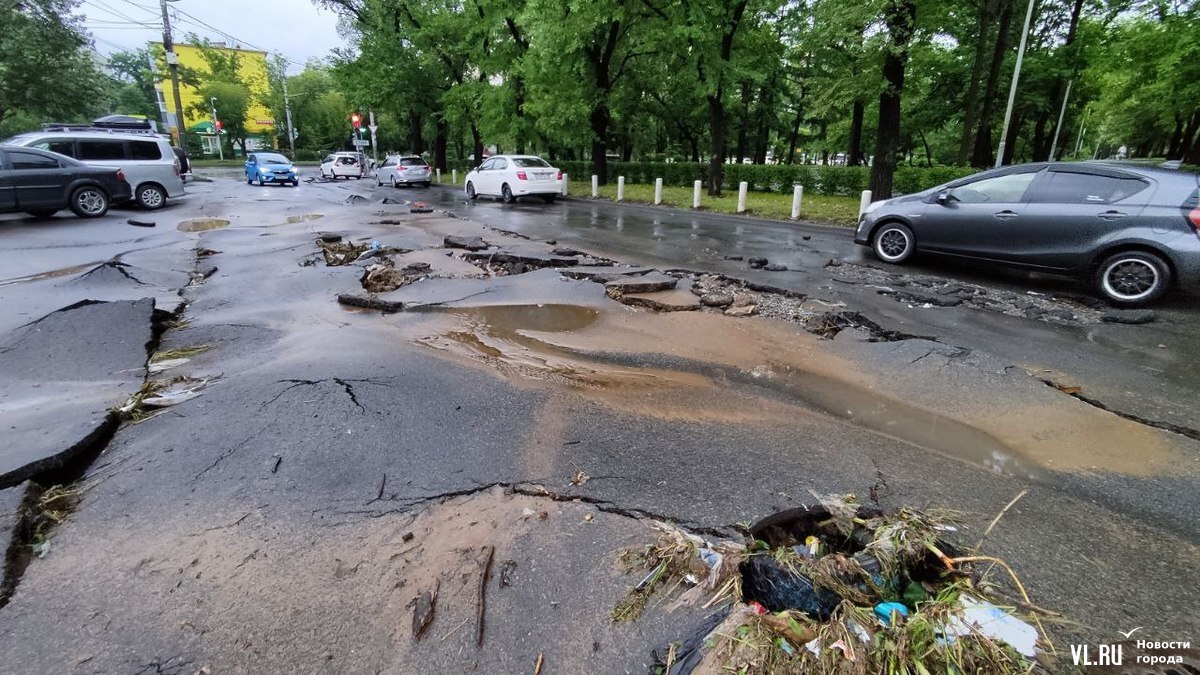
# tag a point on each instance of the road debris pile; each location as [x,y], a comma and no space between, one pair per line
[927,292]
[835,588]
[383,276]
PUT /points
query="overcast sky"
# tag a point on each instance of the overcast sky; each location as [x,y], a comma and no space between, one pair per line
[294,28]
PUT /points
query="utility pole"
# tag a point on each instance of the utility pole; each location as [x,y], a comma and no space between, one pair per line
[1061,113]
[173,65]
[374,145]
[216,123]
[1012,89]
[287,109]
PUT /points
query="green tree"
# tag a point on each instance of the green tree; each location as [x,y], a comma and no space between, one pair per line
[135,81]
[46,70]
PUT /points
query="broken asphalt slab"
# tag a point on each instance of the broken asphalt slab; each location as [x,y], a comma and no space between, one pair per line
[62,374]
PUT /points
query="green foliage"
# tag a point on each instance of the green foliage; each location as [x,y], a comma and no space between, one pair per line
[47,72]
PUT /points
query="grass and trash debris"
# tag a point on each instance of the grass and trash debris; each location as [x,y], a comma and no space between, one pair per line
[836,588]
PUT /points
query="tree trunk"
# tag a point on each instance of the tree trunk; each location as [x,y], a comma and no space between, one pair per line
[414,132]
[695,144]
[971,101]
[1010,142]
[600,120]
[743,123]
[477,144]
[982,156]
[1175,149]
[441,132]
[716,158]
[901,16]
[795,136]
[854,155]
[1041,140]
[928,156]
[1191,140]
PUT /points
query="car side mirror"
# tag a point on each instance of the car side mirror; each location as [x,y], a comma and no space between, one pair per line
[944,197]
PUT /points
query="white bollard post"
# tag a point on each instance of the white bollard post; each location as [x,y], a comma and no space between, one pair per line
[454,176]
[595,186]
[657,191]
[797,195]
[620,188]
[743,187]
[696,195]
[864,202]
[566,179]
[439,175]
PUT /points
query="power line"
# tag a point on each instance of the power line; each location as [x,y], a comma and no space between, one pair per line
[105,8]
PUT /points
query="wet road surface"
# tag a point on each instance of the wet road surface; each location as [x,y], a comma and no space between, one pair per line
[337,462]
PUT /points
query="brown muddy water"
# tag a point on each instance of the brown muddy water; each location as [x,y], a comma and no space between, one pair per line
[712,368]
[202,224]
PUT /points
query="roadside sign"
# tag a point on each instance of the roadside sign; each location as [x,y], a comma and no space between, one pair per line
[361,142]
[373,127]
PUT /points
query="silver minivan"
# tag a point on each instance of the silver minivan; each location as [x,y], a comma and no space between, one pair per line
[147,159]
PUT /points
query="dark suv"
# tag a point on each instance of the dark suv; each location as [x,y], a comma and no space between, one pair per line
[1133,230]
[42,183]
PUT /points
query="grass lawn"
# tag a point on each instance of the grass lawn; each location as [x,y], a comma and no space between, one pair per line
[840,211]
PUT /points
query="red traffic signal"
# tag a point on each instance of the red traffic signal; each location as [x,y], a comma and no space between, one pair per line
[220,126]
[356,120]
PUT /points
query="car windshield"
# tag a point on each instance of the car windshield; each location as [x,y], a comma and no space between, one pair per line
[272,158]
[530,162]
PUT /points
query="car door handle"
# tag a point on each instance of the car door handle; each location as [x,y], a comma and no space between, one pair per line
[1112,215]
[1006,214]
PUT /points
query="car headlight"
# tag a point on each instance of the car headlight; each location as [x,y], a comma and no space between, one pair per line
[263,169]
[875,205]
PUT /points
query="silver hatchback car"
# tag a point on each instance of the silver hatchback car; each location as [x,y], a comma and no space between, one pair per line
[1134,231]
[397,170]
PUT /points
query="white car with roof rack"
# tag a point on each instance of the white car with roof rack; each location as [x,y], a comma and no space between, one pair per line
[146,158]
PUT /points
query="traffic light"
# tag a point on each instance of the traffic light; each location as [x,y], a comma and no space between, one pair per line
[356,120]
[220,126]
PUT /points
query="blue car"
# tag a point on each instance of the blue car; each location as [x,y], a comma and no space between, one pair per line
[270,167]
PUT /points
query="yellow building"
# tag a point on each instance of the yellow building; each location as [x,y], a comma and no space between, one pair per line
[252,71]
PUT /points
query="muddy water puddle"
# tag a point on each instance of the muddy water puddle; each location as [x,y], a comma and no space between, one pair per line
[202,224]
[304,218]
[712,368]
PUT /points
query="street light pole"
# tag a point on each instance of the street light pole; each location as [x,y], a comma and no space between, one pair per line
[287,110]
[216,129]
[173,64]
[1012,89]
[1061,114]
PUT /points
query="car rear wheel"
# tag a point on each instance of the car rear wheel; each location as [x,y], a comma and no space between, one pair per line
[471,190]
[1133,278]
[549,199]
[42,213]
[425,185]
[894,243]
[89,201]
[506,194]
[151,197]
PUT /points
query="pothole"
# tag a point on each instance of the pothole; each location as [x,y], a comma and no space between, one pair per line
[815,589]
[202,224]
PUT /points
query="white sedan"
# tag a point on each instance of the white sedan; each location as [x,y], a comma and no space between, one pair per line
[513,176]
[344,165]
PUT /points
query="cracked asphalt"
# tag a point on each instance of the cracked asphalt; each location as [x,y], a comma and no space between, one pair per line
[340,462]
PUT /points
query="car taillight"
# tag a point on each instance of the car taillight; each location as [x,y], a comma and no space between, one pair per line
[559,175]
[120,175]
[521,176]
[404,168]
[1194,218]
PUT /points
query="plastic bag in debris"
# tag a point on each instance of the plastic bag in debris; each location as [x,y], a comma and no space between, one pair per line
[691,651]
[988,620]
[777,589]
